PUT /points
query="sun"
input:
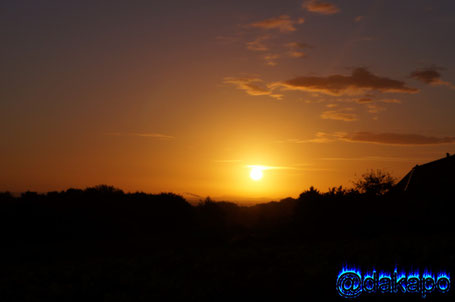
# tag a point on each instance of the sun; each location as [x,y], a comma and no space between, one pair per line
[256,173]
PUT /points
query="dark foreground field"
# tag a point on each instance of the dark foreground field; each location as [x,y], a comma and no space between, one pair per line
[104,244]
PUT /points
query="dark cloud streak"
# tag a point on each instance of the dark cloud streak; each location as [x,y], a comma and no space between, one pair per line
[397,139]
[429,75]
[360,81]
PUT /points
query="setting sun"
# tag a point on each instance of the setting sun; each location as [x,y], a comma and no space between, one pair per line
[258,106]
[256,173]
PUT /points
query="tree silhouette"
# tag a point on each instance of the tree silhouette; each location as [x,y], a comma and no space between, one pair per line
[374,182]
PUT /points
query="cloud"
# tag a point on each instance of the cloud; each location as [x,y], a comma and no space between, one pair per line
[320,7]
[295,49]
[268,167]
[293,140]
[283,23]
[359,82]
[429,75]
[397,138]
[258,44]
[150,135]
[251,86]
[297,54]
[372,158]
[297,45]
[340,116]
[261,167]
[369,100]
[375,108]
[359,18]
[386,138]
[270,59]
[364,100]
[321,137]
[390,101]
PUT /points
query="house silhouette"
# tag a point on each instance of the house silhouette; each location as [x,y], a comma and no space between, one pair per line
[436,178]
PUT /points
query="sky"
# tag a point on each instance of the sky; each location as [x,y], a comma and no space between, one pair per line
[191,96]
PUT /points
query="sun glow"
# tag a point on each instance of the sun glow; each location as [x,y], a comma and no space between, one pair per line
[256,173]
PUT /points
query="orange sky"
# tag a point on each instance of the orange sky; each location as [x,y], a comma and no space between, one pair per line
[157,97]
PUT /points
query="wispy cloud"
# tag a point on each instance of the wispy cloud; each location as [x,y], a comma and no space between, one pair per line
[150,135]
[372,158]
[283,23]
[339,115]
[295,49]
[430,75]
[320,7]
[320,137]
[299,167]
[270,59]
[385,138]
[268,167]
[258,44]
[296,54]
[359,18]
[389,138]
[364,100]
[390,101]
[375,108]
[359,82]
[252,86]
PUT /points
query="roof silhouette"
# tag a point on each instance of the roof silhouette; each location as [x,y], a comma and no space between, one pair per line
[437,177]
